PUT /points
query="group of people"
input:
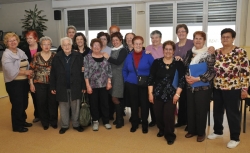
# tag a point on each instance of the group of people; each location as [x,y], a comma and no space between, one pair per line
[116,72]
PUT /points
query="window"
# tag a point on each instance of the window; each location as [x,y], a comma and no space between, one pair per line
[77,18]
[221,14]
[161,18]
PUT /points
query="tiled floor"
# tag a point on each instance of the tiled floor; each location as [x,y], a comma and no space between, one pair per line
[115,140]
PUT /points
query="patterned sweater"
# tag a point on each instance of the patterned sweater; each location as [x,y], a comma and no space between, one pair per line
[232,70]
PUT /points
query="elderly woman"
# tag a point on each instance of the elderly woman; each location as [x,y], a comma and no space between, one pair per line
[157,52]
[116,59]
[39,84]
[164,90]
[230,84]
[71,31]
[80,44]
[128,42]
[67,83]
[198,96]
[15,71]
[98,75]
[137,63]
[105,38]
[30,49]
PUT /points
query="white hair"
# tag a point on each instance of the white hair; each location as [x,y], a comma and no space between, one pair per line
[45,38]
[66,38]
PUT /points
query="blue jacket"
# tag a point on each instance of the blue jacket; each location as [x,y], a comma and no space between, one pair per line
[128,71]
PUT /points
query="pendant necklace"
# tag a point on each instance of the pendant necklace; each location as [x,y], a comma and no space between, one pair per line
[67,60]
[167,66]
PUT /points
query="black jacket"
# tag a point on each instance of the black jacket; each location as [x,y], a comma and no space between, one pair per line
[26,49]
[58,80]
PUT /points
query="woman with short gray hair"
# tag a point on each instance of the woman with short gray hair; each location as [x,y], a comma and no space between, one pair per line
[40,84]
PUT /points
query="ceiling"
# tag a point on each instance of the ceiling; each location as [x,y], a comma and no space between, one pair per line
[17,1]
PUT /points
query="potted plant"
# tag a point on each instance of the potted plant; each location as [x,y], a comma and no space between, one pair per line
[34,21]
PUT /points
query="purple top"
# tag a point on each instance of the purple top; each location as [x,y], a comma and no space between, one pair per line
[182,51]
[156,53]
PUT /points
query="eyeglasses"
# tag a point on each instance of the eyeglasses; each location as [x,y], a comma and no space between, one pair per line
[46,44]
[181,31]
[12,40]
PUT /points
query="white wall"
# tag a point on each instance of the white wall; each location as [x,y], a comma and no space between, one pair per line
[11,15]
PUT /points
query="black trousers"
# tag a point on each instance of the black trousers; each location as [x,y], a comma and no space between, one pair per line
[165,118]
[229,100]
[18,94]
[152,112]
[182,111]
[99,94]
[198,103]
[138,97]
[36,112]
[47,105]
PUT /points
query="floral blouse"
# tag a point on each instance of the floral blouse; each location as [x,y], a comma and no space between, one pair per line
[41,68]
[161,78]
[232,70]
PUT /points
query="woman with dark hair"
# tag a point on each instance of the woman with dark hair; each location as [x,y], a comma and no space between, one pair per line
[164,90]
[116,59]
[105,38]
[15,71]
[198,97]
[230,86]
[80,44]
[128,42]
[137,63]
[30,50]
[98,75]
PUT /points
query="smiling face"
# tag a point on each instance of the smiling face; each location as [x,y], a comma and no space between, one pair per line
[71,33]
[116,42]
[156,40]
[79,41]
[31,40]
[46,45]
[12,43]
[182,33]
[96,48]
[168,51]
[227,39]
[138,45]
[104,40]
[199,41]
[129,38]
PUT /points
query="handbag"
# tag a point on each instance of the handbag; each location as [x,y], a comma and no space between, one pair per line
[84,116]
[142,80]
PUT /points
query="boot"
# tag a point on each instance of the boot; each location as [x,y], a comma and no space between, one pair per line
[119,116]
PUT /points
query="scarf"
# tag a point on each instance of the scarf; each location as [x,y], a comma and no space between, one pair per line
[199,54]
[114,48]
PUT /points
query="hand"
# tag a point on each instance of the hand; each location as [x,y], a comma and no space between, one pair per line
[28,72]
[175,99]
[211,50]
[148,52]
[178,58]
[89,90]
[108,86]
[151,98]
[84,91]
[105,55]
[191,80]
[82,69]
[53,92]
[32,88]
[244,94]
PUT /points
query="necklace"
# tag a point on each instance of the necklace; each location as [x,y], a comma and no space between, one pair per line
[67,60]
[167,66]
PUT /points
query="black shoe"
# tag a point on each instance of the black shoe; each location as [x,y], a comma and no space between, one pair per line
[36,120]
[45,127]
[151,124]
[179,124]
[144,130]
[79,128]
[133,129]
[63,130]
[26,124]
[186,128]
[21,130]
[160,134]
[54,126]
[170,142]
